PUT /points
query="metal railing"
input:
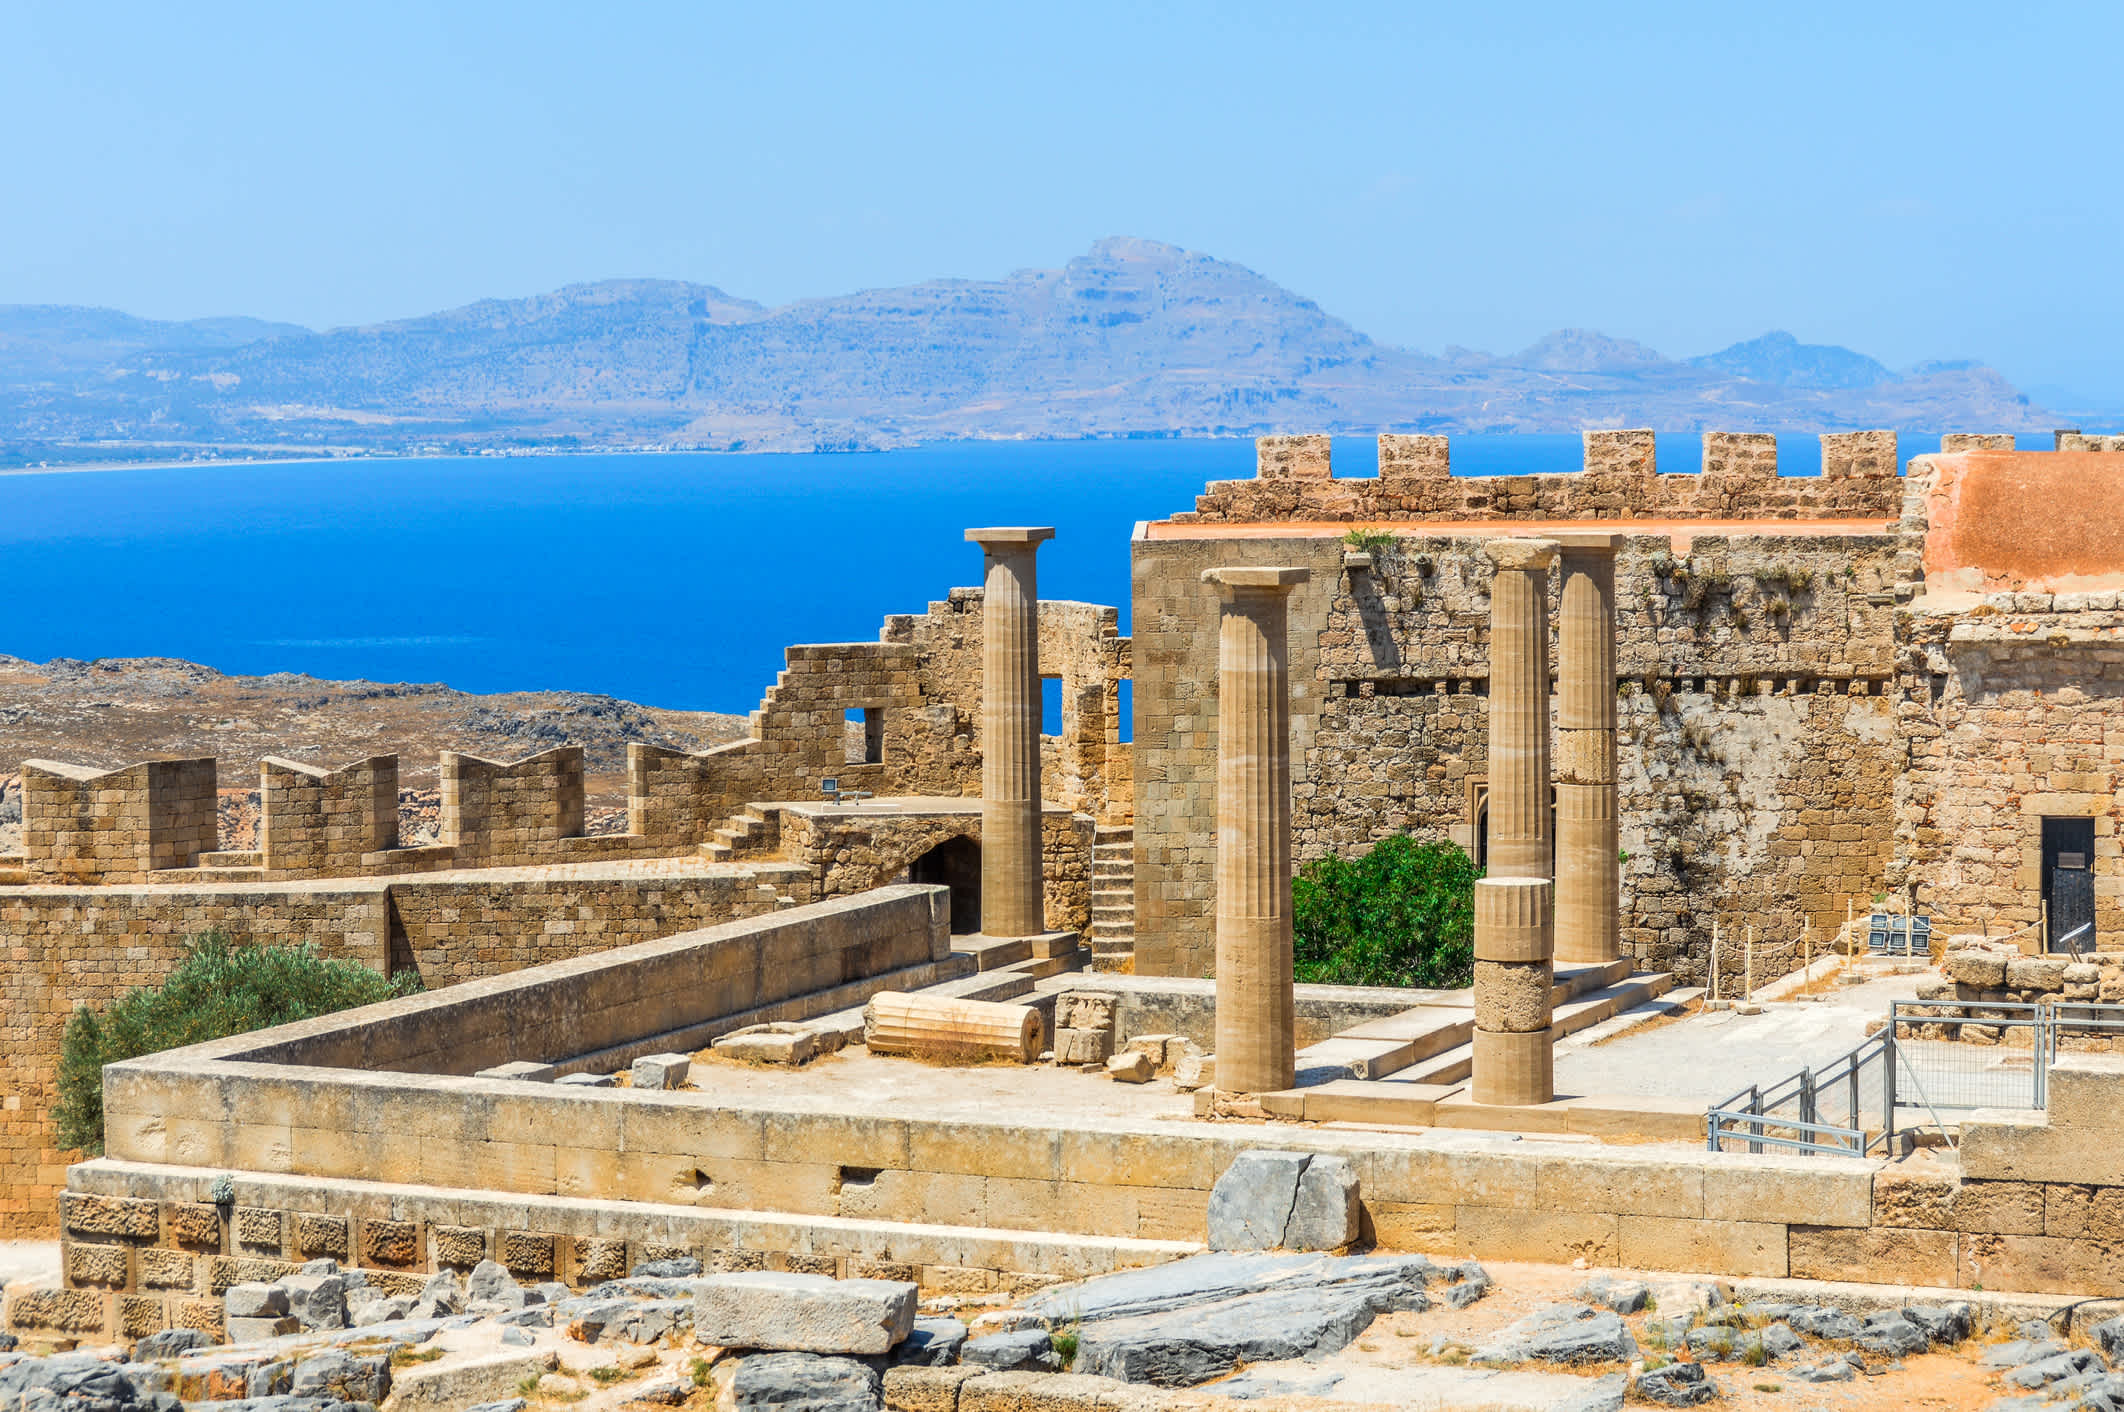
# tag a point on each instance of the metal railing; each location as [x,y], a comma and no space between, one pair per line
[1931,1056]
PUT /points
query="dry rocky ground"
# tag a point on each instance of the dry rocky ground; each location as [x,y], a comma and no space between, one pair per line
[118,711]
[1262,1329]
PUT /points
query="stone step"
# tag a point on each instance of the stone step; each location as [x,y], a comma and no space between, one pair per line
[1125,928]
[1112,912]
[1039,968]
[992,952]
[1579,1011]
[14,877]
[1114,897]
[1114,850]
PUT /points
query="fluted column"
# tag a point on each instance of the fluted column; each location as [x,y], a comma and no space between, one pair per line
[1012,898]
[1588,868]
[1256,1030]
[1514,1061]
[1519,709]
[1515,905]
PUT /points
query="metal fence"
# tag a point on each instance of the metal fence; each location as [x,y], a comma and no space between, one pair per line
[1933,1058]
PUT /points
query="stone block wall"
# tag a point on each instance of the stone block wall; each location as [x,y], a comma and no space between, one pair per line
[1620,479]
[516,812]
[1758,684]
[86,825]
[315,822]
[854,852]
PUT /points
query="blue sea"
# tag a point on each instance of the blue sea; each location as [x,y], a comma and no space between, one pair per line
[674,580]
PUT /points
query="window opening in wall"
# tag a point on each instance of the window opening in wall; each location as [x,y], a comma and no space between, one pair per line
[1051,706]
[2068,883]
[955,864]
[1125,709]
[863,739]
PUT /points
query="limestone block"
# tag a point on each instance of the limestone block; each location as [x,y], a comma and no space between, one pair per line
[96,1264]
[1414,457]
[1972,967]
[899,1023]
[2035,973]
[389,1242]
[1085,1010]
[527,1254]
[599,1259]
[256,1301]
[131,1218]
[253,1330]
[1293,458]
[195,1224]
[1078,1046]
[459,1245]
[321,1237]
[1195,1071]
[777,1043]
[1512,996]
[803,1313]
[166,1269]
[659,1071]
[1294,1200]
[1915,1195]
[256,1226]
[1132,1067]
[526,1070]
[1326,1213]
[916,1388]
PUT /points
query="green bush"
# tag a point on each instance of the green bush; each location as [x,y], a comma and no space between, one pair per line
[219,989]
[1401,915]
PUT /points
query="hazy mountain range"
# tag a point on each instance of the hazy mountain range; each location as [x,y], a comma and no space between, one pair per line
[1134,338]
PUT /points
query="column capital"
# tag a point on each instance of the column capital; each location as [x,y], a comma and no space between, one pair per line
[1577,542]
[1235,582]
[1521,553]
[1008,537]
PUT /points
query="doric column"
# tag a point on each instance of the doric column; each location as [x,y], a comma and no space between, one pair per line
[1256,1032]
[1588,871]
[1519,709]
[1514,943]
[1012,898]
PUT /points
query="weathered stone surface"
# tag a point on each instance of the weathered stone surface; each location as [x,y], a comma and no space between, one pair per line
[1184,1347]
[2056,1368]
[934,1343]
[69,1382]
[318,1301]
[1942,1323]
[804,1382]
[1676,1385]
[1082,1046]
[1206,1279]
[168,1343]
[342,1375]
[1325,1214]
[1250,1205]
[659,1071]
[195,1225]
[1131,1067]
[668,1267]
[257,1301]
[803,1313]
[252,1330]
[1890,1333]
[1972,966]
[586,1081]
[920,1388]
[1022,1350]
[1563,1333]
[1622,1296]
[389,1242]
[1820,1321]
[490,1288]
[2036,973]
[317,1236]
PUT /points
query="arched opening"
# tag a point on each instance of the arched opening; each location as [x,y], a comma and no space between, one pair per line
[955,863]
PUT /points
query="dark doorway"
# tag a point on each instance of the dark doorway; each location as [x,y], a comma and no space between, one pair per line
[2068,883]
[955,863]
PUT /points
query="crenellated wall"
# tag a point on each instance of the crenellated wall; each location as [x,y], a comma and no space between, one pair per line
[85,825]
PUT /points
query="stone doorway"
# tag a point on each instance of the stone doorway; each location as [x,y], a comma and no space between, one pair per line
[2068,883]
[955,863]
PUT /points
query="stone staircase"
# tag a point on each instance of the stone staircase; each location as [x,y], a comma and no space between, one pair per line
[1434,1044]
[755,833]
[1113,898]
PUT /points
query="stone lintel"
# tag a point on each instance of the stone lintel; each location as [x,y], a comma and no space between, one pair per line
[1250,578]
[1010,535]
[1582,542]
[1521,553]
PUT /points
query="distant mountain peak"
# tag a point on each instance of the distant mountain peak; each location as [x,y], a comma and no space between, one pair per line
[1583,350]
[1779,358]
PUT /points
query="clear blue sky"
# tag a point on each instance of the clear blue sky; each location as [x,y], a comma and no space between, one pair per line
[1915,181]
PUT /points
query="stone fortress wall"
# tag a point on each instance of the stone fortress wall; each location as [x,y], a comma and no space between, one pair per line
[120,866]
[1790,741]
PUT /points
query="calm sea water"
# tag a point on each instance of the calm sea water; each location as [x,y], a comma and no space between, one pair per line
[673,580]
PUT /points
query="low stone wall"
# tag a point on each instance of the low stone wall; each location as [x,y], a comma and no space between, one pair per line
[69,946]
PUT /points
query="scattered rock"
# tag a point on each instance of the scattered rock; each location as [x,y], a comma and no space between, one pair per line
[935,1343]
[255,1330]
[319,1301]
[490,1289]
[255,1301]
[1563,1333]
[2056,1367]
[1195,1071]
[677,1267]
[1250,1387]
[659,1071]
[1829,1370]
[587,1081]
[1942,1323]
[1024,1350]
[1891,1334]
[1601,1395]
[1081,1047]
[778,1043]
[513,1404]
[1293,1200]
[518,1338]
[806,1313]
[804,1382]
[1820,1321]
[168,1343]
[1131,1068]
[1676,1385]
[1325,1214]
[1622,1296]
[336,1374]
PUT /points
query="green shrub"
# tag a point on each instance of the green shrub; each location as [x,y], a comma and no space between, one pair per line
[219,989]
[1401,915]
